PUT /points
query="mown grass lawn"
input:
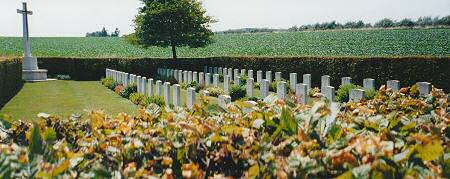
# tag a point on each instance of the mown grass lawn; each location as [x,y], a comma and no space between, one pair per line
[64,98]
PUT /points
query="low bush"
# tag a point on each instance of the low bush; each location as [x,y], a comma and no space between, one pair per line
[158,100]
[138,99]
[119,89]
[237,92]
[130,89]
[109,83]
[192,85]
[215,91]
[371,94]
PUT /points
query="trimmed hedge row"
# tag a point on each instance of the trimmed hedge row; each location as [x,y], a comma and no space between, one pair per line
[10,79]
[408,70]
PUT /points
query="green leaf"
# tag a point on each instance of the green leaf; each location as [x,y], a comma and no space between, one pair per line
[36,142]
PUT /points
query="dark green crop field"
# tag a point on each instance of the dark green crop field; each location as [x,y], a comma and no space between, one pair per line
[359,43]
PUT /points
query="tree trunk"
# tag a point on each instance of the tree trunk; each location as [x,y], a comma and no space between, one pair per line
[174,52]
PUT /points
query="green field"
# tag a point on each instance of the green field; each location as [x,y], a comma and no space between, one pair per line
[363,43]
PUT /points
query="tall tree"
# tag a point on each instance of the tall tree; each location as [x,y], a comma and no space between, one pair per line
[173,23]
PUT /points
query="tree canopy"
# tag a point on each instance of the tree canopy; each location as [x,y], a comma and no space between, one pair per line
[173,23]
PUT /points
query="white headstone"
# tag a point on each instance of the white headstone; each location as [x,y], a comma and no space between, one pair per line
[369,83]
[206,93]
[307,80]
[269,76]
[330,93]
[224,100]
[150,87]
[346,81]
[301,92]
[230,72]
[226,84]
[208,79]
[201,79]
[189,77]
[236,73]
[325,81]
[281,90]
[144,85]
[220,70]
[259,76]
[250,74]
[159,88]
[225,71]
[139,84]
[356,95]
[167,93]
[176,95]
[191,97]
[265,88]
[216,80]
[277,76]
[195,77]
[185,76]
[393,84]
[180,76]
[243,72]
[250,87]
[293,81]
[424,88]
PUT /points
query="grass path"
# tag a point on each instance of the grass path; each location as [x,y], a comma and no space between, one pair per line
[64,98]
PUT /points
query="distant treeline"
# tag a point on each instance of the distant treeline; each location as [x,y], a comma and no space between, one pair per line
[384,23]
[104,33]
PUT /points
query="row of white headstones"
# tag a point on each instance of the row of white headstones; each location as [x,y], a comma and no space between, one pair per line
[145,85]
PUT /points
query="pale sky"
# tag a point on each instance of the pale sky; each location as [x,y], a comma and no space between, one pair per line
[76,17]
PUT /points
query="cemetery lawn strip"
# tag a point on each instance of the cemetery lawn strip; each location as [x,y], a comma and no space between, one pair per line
[64,98]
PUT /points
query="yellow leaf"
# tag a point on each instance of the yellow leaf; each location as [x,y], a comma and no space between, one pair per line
[430,151]
[346,175]
[253,172]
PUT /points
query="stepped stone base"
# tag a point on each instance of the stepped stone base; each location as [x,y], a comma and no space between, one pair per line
[34,75]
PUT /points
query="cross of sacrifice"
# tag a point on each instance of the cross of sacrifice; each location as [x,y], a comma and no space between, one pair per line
[26,37]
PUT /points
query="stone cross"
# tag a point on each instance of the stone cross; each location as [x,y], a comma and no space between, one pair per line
[30,70]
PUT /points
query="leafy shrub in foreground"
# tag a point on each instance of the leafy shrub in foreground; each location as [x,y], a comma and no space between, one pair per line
[138,99]
[319,141]
[158,100]
[119,89]
[129,90]
[215,91]
[109,83]
[237,92]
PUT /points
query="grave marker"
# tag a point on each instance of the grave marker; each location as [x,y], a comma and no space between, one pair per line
[424,88]
[301,92]
[167,93]
[216,80]
[277,76]
[159,88]
[324,83]
[369,84]
[346,81]
[150,87]
[250,74]
[208,79]
[393,84]
[265,88]
[195,77]
[226,84]
[269,76]
[250,87]
[330,93]
[176,95]
[281,90]
[307,80]
[191,97]
[224,100]
[201,79]
[259,76]
[356,95]
[293,81]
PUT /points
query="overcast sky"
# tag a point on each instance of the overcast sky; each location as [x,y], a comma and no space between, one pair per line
[76,17]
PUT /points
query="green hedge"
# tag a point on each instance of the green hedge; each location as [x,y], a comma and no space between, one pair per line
[406,69]
[10,79]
